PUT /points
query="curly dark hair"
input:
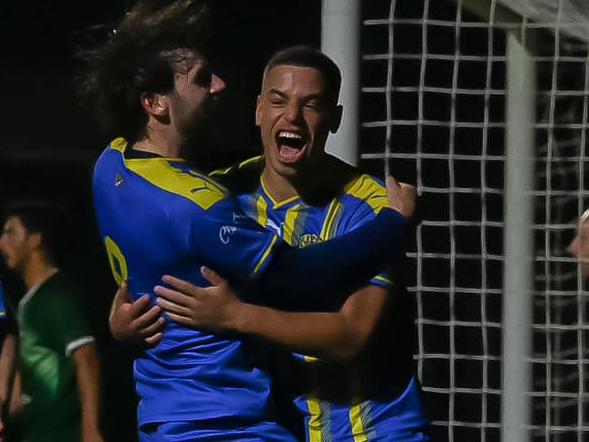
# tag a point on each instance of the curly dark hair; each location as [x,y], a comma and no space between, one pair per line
[138,58]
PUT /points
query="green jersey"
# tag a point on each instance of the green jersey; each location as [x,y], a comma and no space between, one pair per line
[51,326]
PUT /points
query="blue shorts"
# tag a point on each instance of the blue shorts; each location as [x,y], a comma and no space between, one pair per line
[400,419]
[196,431]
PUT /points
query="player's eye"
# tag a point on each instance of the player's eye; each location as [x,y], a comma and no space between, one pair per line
[203,77]
[314,104]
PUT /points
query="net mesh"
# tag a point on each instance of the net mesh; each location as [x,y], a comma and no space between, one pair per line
[433,103]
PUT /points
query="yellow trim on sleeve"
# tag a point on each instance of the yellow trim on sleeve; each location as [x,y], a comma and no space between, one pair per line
[367,189]
[358,430]
[245,163]
[264,257]
[383,279]
[119,144]
[188,184]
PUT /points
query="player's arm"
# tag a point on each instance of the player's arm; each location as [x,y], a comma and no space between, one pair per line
[347,261]
[87,366]
[7,371]
[333,335]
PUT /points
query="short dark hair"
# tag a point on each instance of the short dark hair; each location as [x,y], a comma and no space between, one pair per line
[50,220]
[307,56]
[138,58]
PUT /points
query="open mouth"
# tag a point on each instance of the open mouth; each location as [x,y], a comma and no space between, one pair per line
[291,146]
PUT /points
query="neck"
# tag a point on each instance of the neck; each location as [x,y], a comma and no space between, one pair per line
[315,185]
[279,187]
[36,271]
[162,142]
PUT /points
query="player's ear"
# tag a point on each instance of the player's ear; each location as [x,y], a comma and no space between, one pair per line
[258,110]
[336,118]
[155,104]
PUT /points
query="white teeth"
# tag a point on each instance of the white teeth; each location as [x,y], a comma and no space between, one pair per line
[286,134]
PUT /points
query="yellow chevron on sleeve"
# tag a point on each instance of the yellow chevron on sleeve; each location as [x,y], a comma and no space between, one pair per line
[367,189]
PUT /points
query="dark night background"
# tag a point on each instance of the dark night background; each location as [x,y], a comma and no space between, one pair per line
[48,144]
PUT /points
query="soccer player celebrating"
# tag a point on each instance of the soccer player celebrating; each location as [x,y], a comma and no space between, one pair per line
[358,383]
[153,84]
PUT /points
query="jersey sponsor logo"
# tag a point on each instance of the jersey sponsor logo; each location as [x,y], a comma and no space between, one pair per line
[308,239]
[225,233]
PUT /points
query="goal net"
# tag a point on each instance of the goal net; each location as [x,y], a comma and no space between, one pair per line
[433,107]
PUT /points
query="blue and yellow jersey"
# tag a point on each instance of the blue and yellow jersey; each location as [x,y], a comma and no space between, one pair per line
[300,224]
[158,216]
[375,396]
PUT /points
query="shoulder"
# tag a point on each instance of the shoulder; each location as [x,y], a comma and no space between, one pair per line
[177,178]
[366,191]
[243,177]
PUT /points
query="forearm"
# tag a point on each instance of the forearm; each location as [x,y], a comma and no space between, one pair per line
[317,334]
[336,335]
[7,367]
[88,376]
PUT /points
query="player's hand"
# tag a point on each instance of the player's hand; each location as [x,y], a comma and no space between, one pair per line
[135,321]
[401,197]
[212,308]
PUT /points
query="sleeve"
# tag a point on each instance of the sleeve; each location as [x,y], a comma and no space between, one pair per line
[233,244]
[69,327]
[363,214]
[342,263]
[239,249]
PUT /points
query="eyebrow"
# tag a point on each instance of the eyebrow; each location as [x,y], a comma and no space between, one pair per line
[320,96]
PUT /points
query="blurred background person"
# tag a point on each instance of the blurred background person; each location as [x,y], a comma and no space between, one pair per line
[58,362]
